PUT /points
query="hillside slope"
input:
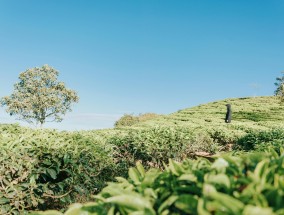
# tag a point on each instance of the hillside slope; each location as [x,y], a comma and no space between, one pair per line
[248,114]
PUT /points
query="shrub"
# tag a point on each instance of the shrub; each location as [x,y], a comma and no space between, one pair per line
[126,120]
[262,140]
[129,119]
[156,145]
[250,184]
[147,116]
[44,169]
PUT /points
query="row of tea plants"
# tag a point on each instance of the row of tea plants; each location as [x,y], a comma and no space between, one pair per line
[46,169]
[247,184]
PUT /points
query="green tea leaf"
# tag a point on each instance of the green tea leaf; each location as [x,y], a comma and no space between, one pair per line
[255,210]
[51,173]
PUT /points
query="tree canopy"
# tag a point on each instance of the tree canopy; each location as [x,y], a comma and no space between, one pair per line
[39,96]
[280,87]
[130,119]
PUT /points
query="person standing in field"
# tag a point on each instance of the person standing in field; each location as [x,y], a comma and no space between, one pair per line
[228,114]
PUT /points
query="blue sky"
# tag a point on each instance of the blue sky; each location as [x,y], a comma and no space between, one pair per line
[138,56]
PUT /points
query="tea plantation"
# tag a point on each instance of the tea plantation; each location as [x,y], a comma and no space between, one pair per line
[249,115]
[188,162]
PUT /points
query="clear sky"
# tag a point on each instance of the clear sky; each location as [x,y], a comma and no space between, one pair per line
[138,56]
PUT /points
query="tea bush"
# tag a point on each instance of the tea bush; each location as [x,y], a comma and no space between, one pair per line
[261,140]
[154,146]
[250,184]
[44,169]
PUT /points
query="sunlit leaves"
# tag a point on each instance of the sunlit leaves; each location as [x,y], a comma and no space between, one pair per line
[39,96]
[48,169]
[243,185]
[280,87]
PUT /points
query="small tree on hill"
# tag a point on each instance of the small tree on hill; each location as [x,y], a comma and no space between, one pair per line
[39,96]
[280,87]
[130,119]
[126,120]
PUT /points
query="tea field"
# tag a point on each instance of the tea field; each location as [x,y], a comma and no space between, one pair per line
[248,184]
[188,162]
[248,115]
[251,113]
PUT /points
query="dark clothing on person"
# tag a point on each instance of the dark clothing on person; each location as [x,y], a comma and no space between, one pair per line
[228,114]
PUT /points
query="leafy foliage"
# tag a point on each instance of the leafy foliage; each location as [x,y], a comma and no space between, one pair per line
[129,119]
[44,169]
[34,165]
[154,146]
[262,140]
[280,87]
[39,95]
[126,120]
[251,184]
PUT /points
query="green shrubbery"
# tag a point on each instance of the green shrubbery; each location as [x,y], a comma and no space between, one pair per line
[259,113]
[126,120]
[129,119]
[156,145]
[262,140]
[44,169]
[250,184]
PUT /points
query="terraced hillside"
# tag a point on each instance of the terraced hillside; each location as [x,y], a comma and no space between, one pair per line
[248,114]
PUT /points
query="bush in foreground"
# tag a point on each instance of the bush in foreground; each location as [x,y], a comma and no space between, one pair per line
[45,169]
[250,184]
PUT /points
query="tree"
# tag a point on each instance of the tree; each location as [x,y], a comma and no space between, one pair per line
[126,120]
[39,96]
[130,119]
[280,87]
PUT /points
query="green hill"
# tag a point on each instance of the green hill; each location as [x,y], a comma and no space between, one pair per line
[262,112]
[248,114]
